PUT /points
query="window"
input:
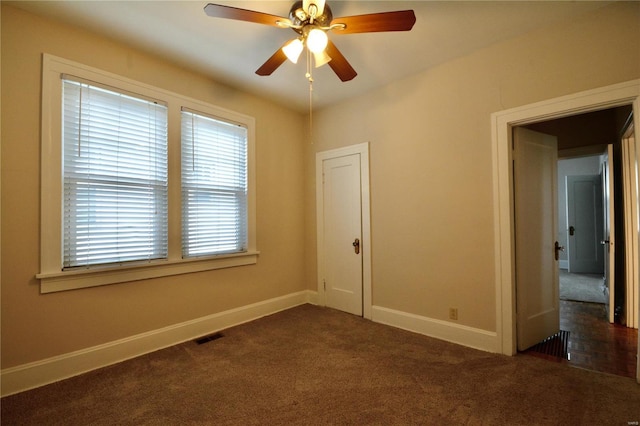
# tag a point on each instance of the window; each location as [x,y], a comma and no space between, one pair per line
[114,194]
[214,186]
[114,176]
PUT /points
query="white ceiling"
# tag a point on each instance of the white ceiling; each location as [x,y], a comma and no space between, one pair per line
[230,51]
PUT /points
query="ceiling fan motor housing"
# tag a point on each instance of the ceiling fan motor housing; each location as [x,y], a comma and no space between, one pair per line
[300,18]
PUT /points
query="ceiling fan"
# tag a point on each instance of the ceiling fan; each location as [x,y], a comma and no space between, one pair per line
[312,19]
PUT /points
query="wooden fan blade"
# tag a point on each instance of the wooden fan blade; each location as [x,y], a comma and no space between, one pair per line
[228,12]
[401,20]
[272,63]
[339,64]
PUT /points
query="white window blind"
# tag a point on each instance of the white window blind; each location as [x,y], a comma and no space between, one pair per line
[214,186]
[115,176]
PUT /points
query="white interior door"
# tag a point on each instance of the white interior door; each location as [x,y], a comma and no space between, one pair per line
[342,216]
[584,220]
[537,297]
[609,229]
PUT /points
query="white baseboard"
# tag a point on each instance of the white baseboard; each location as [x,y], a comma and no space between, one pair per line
[39,373]
[563,264]
[443,330]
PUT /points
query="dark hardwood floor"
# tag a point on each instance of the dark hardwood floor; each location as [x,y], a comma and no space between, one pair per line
[594,343]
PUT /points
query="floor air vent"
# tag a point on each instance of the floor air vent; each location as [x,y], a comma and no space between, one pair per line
[556,345]
[209,338]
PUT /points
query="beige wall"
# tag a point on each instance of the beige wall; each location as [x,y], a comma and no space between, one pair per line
[37,326]
[431,165]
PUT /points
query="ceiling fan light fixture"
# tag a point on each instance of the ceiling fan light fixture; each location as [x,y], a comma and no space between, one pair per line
[317,40]
[293,49]
[321,58]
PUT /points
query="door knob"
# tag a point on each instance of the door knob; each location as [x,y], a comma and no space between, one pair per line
[356,245]
[558,248]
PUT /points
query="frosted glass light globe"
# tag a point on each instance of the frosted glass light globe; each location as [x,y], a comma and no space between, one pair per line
[293,49]
[317,40]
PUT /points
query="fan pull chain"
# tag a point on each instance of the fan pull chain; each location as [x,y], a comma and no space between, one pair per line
[310,78]
[311,110]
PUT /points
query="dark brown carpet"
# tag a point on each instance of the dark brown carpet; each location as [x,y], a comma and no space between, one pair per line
[313,366]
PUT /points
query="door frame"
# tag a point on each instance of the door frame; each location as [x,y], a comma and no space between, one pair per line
[502,122]
[365,244]
[630,187]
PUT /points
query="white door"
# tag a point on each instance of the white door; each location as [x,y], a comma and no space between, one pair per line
[537,298]
[609,229]
[584,220]
[342,215]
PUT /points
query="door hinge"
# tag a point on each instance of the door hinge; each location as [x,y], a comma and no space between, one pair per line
[324,284]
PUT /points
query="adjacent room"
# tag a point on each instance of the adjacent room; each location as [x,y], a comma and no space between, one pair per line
[207,220]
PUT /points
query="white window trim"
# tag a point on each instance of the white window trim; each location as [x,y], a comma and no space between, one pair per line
[52,277]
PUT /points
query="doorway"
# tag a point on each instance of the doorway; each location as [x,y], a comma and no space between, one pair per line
[585,338]
[582,210]
[590,144]
[579,185]
[502,123]
[343,229]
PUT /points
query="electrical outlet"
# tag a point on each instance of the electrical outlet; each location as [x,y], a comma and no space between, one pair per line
[453,313]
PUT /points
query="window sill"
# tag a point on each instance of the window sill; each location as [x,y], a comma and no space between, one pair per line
[82,278]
